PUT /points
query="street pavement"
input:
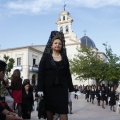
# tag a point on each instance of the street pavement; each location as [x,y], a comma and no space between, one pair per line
[83,110]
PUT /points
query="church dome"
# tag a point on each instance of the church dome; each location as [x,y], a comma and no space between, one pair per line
[86,41]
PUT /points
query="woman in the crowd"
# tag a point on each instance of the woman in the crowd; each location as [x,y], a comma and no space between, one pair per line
[76,90]
[27,100]
[54,78]
[103,95]
[16,86]
[92,94]
[87,93]
[90,88]
[112,96]
[98,94]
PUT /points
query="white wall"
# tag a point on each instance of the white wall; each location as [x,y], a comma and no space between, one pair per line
[27,56]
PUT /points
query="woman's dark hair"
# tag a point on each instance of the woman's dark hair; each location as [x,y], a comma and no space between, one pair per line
[55,35]
[16,73]
[26,81]
[16,81]
[3,65]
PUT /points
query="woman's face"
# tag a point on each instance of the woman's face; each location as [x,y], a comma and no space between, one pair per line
[99,87]
[27,87]
[102,88]
[56,45]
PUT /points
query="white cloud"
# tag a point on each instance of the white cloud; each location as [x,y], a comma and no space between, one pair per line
[39,6]
[95,3]
[34,6]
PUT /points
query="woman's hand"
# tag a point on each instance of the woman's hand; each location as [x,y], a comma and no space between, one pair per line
[11,117]
[12,113]
[40,94]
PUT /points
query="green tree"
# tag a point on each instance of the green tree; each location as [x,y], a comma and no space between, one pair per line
[87,65]
[113,70]
[10,62]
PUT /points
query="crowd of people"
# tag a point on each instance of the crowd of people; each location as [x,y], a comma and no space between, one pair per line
[16,99]
[105,95]
[19,95]
[6,113]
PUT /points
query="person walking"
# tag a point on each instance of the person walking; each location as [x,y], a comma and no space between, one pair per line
[16,86]
[76,92]
[98,94]
[54,78]
[87,93]
[27,100]
[112,96]
[92,94]
[107,94]
[103,95]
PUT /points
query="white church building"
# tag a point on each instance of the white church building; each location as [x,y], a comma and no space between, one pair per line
[27,58]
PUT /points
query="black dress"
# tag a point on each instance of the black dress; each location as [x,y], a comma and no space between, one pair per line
[92,94]
[27,103]
[87,93]
[112,98]
[57,96]
[103,93]
[98,94]
[54,80]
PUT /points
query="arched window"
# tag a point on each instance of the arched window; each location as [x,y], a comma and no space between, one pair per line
[63,17]
[67,30]
[33,79]
[61,29]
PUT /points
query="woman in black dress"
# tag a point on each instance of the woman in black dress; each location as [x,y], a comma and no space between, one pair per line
[112,96]
[98,94]
[103,96]
[54,78]
[27,100]
[87,93]
[92,94]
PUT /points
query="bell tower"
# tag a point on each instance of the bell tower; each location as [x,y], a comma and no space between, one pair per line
[64,24]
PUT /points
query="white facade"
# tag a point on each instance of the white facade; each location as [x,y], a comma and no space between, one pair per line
[26,60]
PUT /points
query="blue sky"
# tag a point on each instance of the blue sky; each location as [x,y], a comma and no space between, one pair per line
[27,22]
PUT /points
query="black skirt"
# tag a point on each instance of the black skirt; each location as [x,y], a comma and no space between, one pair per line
[112,102]
[56,99]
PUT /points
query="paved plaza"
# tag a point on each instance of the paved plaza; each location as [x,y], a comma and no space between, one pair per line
[83,110]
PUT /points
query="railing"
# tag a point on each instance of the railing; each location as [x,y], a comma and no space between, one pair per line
[33,68]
